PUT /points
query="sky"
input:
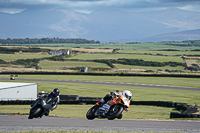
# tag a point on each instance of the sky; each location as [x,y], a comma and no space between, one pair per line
[88,6]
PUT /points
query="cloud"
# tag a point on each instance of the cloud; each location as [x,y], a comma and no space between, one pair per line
[191,8]
[11,10]
[87,6]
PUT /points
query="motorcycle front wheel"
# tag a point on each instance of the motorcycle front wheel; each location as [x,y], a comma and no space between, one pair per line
[35,113]
[91,113]
[115,111]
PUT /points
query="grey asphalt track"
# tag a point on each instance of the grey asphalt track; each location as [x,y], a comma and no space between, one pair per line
[113,83]
[12,123]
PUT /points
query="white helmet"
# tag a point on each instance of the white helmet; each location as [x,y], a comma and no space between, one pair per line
[127,94]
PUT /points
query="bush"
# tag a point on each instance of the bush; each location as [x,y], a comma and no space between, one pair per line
[109,63]
[138,62]
[2,61]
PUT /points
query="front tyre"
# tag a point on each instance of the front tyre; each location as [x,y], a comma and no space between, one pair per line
[115,111]
[91,113]
[35,113]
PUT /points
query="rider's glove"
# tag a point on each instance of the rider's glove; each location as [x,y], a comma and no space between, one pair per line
[116,94]
[127,109]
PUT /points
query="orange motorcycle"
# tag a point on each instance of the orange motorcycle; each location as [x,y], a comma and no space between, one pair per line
[111,109]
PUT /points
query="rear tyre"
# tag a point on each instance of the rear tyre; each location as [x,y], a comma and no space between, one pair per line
[35,113]
[115,112]
[91,113]
[120,116]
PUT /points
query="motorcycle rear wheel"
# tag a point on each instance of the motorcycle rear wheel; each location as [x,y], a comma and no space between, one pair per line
[91,113]
[35,113]
[115,111]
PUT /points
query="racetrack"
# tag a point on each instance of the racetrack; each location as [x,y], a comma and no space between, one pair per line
[12,123]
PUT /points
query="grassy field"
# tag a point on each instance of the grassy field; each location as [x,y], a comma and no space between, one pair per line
[142,68]
[139,93]
[13,57]
[51,65]
[143,53]
[153,52]
[171,81]
[56,65]
[138,46]
[127,56]
[79,111]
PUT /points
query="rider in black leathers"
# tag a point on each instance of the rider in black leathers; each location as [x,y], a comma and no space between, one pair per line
[51,98]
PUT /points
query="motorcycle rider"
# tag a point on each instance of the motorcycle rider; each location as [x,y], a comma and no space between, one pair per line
[51,98]
[115,95]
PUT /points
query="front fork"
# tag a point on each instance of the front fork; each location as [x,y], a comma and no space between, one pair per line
[37,102]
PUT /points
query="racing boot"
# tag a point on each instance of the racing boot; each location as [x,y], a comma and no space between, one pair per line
[104,100]
[99,103]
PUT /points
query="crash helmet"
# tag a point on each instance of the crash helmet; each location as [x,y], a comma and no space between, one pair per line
[56,92]
[127,94]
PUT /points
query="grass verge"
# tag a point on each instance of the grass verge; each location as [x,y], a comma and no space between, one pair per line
[79,111]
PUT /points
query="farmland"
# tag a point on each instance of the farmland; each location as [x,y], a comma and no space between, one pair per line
[183,46]
[16,56]
[127,56]
[91,56]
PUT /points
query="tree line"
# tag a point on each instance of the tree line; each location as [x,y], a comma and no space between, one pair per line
[47,41]
[17,49]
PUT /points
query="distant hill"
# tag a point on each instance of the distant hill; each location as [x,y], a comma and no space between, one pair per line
[105,25]
[177,36]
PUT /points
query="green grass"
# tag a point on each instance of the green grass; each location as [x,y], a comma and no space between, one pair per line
[171,81]
[51,65]
[180,53]
[13,57]
[120,66]
[139,93]
[79,111]
[127,56]
[139,46]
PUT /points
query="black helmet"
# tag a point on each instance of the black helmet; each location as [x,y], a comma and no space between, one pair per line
[56,92]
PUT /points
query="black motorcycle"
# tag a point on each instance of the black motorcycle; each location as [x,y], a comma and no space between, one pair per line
[39,108]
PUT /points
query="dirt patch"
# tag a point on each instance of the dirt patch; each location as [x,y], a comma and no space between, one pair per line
[190,62]
[16,69]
